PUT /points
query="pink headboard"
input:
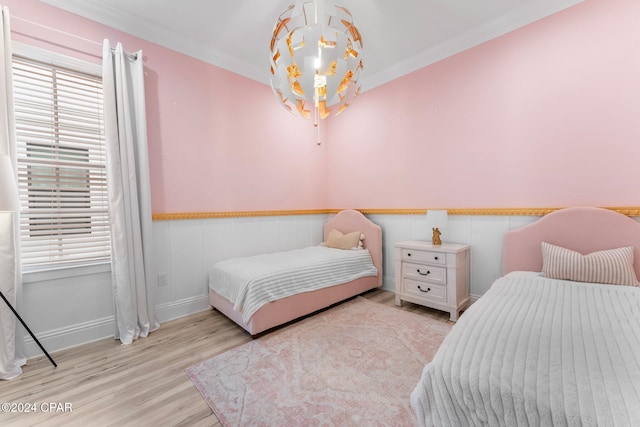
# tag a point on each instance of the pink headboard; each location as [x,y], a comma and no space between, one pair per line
[348,221]
[582,229]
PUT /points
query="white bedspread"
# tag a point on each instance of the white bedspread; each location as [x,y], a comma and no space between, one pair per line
[538,352]
[251,282]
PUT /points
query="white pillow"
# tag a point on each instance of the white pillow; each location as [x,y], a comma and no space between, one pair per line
[611,266]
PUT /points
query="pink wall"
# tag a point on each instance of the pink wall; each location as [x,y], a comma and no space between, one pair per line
[217,141]
[548,115]
[545,116]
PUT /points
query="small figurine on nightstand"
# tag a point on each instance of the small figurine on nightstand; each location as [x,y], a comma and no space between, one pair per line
[437,219]
[436,236]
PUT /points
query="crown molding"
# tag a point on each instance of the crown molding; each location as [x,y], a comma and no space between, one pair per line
[149,30]
[152,31]
[525,15]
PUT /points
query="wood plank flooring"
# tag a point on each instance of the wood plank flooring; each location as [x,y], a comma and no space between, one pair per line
[143,384]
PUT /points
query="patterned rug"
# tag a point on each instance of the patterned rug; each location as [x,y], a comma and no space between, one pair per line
[355,364]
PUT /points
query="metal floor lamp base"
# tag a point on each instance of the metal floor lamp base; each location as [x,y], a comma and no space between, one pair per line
[27,328]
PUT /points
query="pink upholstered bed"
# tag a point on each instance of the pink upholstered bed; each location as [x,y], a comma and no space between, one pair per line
[583,229]
[286,309]
[535,350]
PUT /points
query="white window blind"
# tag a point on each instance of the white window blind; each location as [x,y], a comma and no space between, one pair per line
[61,164]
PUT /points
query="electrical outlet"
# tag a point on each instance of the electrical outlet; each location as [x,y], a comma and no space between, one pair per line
[163,279]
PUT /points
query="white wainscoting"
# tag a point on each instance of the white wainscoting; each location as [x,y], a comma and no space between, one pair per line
[69,311]
[186,249]
[65,310]
[483,233]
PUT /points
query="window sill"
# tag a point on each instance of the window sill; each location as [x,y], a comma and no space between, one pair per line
[46,273]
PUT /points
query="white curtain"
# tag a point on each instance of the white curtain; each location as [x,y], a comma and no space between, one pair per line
[11,336]
[129,194]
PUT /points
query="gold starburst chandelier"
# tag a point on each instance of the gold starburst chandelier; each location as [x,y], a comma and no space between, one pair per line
[316,59]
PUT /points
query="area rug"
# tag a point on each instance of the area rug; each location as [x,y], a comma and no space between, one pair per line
[353,365]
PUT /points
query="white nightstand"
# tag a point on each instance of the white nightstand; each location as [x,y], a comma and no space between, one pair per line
[433,276]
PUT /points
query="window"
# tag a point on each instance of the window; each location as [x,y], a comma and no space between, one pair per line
[61,164]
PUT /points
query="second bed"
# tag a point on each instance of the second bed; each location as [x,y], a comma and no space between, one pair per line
[265,291]
[556,341]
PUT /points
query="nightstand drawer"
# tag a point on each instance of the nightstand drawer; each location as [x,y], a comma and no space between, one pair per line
[424,256]
[425,290]
[423,272]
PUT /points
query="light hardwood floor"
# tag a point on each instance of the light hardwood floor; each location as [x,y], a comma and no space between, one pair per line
[143,384]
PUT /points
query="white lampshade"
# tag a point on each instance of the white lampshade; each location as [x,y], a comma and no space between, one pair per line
[437,218]
[9,201]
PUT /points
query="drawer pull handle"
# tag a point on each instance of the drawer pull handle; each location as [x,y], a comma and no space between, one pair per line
[422,290]
[423,274]
[409,254]
[435,258]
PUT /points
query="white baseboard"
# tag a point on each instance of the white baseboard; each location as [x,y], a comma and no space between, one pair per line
[70,336]
[181,308]
[84,333]
[388,284]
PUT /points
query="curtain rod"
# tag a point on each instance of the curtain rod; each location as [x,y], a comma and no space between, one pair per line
[132,55]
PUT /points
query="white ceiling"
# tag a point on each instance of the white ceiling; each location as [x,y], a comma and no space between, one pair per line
[400,36]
